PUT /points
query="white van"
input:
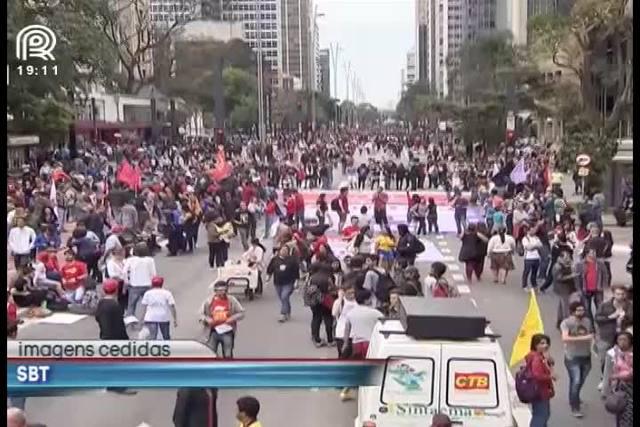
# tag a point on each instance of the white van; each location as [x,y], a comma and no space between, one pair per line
[465,379]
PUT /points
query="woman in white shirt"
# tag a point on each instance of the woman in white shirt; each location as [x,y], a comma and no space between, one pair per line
[139,269]
[254,258]
[532,245]
[500,249]
[115,270]
[341,306]
[158,307]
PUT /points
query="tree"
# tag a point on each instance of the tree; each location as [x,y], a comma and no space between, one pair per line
[367,114]
[491,76]
[44,104]
[406,107]
[240,94]
[592,44]
[127,26]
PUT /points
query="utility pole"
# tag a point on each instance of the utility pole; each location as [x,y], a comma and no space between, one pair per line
[347,70]
[335,51]
[312,66]
[261,129]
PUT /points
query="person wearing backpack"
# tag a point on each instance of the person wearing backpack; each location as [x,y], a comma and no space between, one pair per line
[436,286]
[539,369]
[409,246]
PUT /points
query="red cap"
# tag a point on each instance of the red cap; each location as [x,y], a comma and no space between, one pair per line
[157,282]
[110,286]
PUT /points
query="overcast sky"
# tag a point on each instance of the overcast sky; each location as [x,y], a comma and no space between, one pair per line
[374,35]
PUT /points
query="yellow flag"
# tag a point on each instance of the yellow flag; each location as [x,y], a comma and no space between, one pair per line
[531,325]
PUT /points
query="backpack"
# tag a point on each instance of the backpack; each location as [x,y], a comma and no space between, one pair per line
[418,246]
[440,290]
[526,386]
[335,205]
[311,294]
[383,286]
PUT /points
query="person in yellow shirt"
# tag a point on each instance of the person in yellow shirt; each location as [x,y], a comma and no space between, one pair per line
[385,245]
[248,409]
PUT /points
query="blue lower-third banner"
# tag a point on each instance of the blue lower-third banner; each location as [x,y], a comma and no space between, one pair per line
[39,377]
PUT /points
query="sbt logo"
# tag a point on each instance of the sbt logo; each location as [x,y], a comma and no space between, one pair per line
[35,41]
[35,374]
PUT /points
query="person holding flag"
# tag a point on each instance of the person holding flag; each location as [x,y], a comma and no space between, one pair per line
[532,346]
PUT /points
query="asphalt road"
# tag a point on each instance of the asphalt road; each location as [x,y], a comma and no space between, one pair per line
[261,336]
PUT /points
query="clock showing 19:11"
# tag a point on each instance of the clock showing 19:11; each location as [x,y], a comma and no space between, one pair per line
[37,70]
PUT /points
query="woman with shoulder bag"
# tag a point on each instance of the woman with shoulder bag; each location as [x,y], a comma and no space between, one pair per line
[540,366]
[618,380]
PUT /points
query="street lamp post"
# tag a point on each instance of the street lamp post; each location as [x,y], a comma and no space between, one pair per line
[261,129]
[335,51]
[312,63]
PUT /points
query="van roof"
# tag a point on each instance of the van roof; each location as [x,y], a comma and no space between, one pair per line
[398,335]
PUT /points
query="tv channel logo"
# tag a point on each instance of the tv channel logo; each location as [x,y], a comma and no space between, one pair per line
[35,41]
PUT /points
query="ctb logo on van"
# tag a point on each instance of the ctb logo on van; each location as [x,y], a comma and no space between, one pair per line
[471,381]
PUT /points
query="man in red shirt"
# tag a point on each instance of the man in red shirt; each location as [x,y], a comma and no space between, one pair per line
[74,274]
[299,198]
[591,277]
[380,200]
[248,192]
[352,230]
[343,202]
[291,207]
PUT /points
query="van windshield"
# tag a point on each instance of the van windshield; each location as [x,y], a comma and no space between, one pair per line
[408,380]
[472,383]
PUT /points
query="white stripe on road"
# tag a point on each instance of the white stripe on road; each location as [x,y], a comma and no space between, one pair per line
[458,277]
[448,258]
[475,304]
[445,250]
[464,289]
[439,236]
[442,243]
[621,249]
[453,267]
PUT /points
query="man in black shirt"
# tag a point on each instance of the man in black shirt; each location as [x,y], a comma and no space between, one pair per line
[196,407]
[110,318]
[285,270]
[109,314]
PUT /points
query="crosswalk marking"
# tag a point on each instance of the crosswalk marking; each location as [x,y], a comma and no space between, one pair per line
[453,267]
[448,258]
[458,277]
[442,243]
[445,250]
[439,236]
[464,289]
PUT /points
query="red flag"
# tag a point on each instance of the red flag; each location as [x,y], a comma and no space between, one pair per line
[547,176]
[59,175]
[222,168]
[129,176]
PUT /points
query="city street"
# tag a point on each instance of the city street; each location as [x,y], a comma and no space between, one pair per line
[261,336]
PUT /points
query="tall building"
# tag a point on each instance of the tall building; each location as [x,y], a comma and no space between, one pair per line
[512,16]
[167,12]
[442,28]
[411,76]
[260,20]
[325,72]
[295,19]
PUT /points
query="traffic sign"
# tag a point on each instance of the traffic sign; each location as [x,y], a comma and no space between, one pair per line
[511,121]
[583,160]
[583,171]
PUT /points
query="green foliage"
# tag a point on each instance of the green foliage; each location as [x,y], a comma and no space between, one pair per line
[44,104]
[244,113]
[600,147]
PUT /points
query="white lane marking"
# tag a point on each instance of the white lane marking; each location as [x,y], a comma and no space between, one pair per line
[445,250]
[453,267]
[443,243]
[621,249]
[448,258]
[464,289]
[473,301]
[439,236]
[458,277]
